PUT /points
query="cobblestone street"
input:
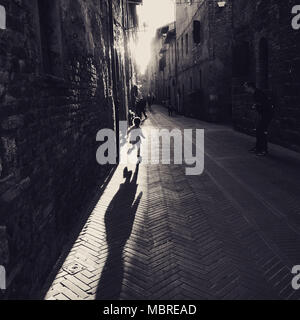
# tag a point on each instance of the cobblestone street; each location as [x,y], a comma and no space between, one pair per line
[155,233]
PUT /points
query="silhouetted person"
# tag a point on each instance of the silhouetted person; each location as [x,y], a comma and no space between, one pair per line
[137,140]
[131,116]
[119,219]
[149,101]
[141,107]
[263,105]
[134,95]
[153,98]
[170,108]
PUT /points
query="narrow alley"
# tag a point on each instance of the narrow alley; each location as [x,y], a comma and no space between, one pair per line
[156,233]
[83,86]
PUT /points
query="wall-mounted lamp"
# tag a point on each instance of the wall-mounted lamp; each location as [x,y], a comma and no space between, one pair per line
[221,4]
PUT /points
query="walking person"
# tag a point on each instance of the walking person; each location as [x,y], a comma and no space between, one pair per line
[141,107]
[144,106]
[135,138]
[170,108]
[131,116]
[265,109]
[140,103]
[134,96]
[152,98]
[149,101]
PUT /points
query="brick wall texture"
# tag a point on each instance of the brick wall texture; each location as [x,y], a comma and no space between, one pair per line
[268,23]
[49,118]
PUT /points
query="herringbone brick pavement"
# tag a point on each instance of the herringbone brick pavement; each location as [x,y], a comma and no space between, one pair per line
[156,233]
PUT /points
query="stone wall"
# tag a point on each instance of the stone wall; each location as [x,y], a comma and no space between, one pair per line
[267,45]
[242,41]
[56,92]
[204,71]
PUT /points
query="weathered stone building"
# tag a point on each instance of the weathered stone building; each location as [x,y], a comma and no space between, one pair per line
[170,71]
[266,51]
[222,44]
[161,71]
[152,74]
[65,73]
[204,58]
[200,83]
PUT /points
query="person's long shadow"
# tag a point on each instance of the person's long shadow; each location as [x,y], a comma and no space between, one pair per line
[119,219]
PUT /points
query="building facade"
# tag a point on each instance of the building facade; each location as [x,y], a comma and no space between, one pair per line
[65,73]
[197,73]
[220,45]
[266,51]
[204,58]
[161,71]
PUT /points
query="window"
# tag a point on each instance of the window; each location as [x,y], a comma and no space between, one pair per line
[187,43]
[50,32]
[197,31]
[2,18]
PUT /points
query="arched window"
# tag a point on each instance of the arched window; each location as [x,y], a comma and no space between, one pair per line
[2,18]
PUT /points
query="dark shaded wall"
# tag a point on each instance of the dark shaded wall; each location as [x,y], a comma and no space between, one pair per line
[266,51]
[57,78]
[204,72]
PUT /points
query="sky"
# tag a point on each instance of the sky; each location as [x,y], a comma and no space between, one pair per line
[153,13]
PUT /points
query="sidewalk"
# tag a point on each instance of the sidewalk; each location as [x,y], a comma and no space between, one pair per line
[231,233]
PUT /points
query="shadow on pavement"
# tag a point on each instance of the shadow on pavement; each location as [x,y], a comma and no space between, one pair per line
[74,234]
[119,219]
